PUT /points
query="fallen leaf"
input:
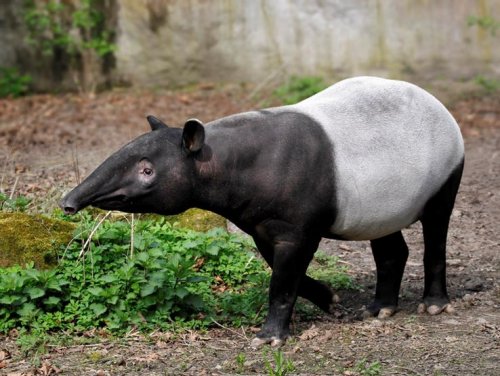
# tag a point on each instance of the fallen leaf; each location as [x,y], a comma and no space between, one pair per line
[198,264]
[310,333]
[47,369]
[5,354]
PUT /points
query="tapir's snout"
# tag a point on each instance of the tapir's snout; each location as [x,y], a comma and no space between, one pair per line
[77,199]
[68,205]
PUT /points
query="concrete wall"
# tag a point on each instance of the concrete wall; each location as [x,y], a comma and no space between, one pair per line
[164,42]
[175,42]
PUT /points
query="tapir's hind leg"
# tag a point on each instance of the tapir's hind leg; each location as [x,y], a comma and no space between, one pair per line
[390,253]
[435,221]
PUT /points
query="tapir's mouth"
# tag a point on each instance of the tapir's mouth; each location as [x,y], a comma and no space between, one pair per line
[111,202]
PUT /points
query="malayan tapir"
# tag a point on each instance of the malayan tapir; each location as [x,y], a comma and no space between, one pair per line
[360,160]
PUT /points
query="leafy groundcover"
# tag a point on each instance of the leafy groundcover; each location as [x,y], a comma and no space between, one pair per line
[148,274]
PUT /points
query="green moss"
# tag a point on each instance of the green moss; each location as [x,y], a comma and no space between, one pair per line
[198,220]
[25,238]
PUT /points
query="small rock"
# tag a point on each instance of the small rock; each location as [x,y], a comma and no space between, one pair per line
[474,285]
[454,262]
[250,363]
[468,298]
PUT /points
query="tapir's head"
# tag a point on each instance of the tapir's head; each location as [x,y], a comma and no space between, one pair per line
[151,174]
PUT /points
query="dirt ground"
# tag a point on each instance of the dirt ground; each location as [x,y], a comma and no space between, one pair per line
[47,142]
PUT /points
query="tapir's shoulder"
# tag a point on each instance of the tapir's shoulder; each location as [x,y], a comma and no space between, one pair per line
[269,119]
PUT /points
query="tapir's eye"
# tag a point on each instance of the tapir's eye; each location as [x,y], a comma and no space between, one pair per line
[147,171]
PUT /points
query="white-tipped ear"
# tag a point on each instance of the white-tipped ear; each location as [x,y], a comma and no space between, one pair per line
[155,123]
[193,135]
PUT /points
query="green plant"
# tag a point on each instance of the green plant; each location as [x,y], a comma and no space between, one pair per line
[368,369]
[11,204]
[299,88]
[485,22]
[176,278]
[488,84]
[328,269]
[12,83]
[282,366]
[240,362]
[76,30]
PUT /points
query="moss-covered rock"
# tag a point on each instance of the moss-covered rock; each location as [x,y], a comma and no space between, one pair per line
[198,220]
[25,238]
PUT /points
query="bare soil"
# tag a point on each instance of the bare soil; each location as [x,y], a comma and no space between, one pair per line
[48,142]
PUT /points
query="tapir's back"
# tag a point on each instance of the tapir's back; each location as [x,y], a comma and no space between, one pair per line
[394,146]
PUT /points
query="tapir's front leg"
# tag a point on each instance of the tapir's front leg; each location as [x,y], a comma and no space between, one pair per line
[292,252]
[317,292]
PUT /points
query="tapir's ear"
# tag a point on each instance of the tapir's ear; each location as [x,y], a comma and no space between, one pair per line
[193,136]
[156,123]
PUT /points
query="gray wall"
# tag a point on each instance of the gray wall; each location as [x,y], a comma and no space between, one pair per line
[178,41]
[175,42]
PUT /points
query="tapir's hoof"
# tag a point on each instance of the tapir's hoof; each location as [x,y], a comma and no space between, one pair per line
[382,313]
[258,342]
[386,313]
[435,309]
[333,306]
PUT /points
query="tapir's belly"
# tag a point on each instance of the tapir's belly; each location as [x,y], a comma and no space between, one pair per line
[393,145]
[370,206]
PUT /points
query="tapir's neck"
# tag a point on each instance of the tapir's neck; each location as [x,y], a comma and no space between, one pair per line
[229,167]
[219,181]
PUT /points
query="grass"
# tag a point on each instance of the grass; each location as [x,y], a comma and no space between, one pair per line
[279,365]
[299,88]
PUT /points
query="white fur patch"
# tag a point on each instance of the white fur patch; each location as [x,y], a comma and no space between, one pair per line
[394,146]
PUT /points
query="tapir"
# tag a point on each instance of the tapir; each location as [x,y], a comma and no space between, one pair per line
[360,160]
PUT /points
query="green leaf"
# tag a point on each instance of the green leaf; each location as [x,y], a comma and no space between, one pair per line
[156,252]
[191,244]
[98,308]
[35,292]
[131,296]
[213,249]
[181,292]
[112,300]
[55,283]
[196,279]
[148,289]
[12,299]
[96,291]
[52,301]
[195,301]
[166,307]
[157,278]
[27,309]
[174,261]
[142,257]
[139,242]
[109,278]
[33,273]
